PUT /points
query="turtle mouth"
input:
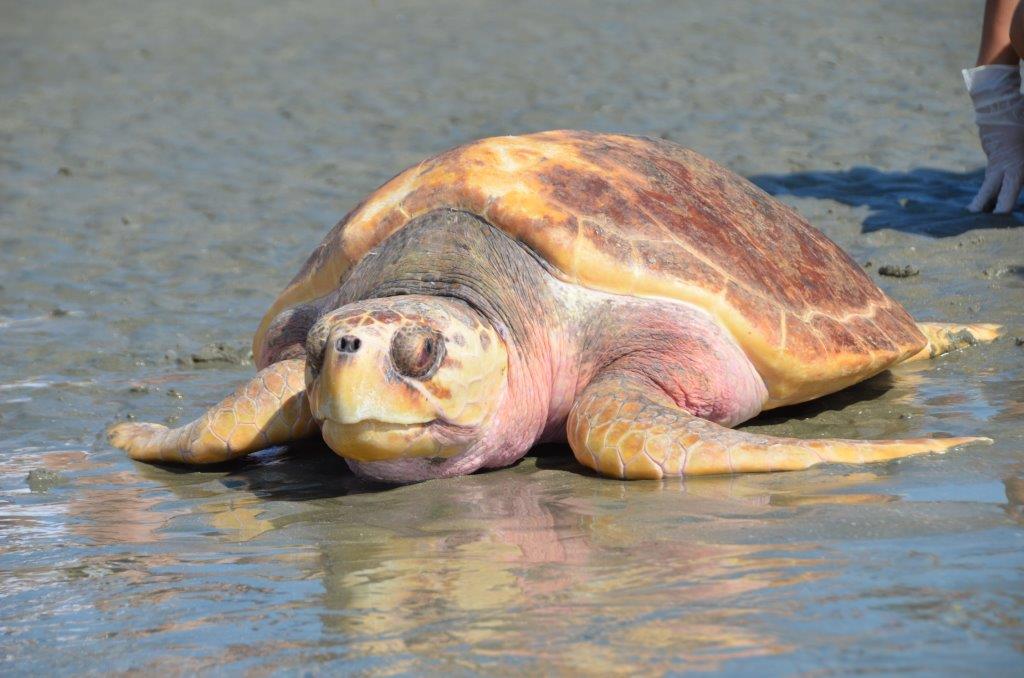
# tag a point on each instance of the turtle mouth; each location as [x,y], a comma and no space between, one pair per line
[374,440]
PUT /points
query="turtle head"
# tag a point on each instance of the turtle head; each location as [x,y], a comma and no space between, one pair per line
[404,388]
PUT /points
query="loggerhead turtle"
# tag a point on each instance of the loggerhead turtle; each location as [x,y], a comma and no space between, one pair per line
[623,293]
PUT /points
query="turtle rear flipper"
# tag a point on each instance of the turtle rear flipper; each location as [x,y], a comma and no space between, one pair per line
[271,409]
[623,425]
[946,337]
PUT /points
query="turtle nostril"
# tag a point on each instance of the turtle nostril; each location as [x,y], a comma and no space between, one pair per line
[348,344]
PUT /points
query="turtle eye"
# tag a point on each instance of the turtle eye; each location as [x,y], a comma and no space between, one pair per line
[417,352]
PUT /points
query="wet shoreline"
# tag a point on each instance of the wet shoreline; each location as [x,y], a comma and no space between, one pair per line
[164,170]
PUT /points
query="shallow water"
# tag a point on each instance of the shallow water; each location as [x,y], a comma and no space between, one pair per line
[166,168]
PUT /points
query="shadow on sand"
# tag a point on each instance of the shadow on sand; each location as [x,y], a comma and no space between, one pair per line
[301,471]
[924,201]
[309,470]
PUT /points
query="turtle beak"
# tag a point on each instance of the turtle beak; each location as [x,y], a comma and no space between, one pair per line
[366,411]
[356,383]
[383,387]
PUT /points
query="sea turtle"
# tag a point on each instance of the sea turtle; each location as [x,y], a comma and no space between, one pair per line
[622,293]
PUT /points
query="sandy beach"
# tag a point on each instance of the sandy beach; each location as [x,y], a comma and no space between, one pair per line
[165,168]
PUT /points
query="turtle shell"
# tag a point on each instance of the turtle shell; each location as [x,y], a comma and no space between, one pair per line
[650,219]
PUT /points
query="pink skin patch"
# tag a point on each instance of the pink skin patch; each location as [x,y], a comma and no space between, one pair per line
[677,346]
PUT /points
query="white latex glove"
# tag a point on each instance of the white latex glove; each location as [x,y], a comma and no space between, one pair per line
[999,113]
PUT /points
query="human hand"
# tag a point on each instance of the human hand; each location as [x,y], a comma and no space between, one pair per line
[999,112]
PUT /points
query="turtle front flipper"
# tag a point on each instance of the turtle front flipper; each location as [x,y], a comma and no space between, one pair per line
[269,410]
[623,425]
[946,337]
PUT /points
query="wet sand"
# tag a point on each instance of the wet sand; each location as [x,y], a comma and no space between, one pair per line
[164,170]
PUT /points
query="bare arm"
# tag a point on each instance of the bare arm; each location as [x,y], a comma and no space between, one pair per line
[995,33]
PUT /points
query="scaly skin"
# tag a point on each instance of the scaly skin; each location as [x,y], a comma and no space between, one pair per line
[624,426]
[641,388]
[627,425]
[946,337]
[655,295]
[269,410]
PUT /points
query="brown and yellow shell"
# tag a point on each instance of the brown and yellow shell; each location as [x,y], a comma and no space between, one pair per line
[647,218]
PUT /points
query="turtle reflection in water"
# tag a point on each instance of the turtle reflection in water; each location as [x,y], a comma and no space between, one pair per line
[621,293]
